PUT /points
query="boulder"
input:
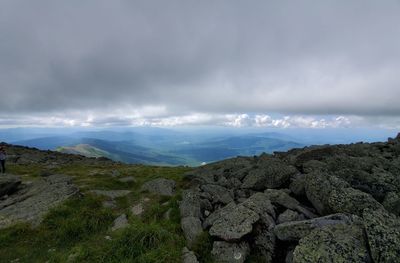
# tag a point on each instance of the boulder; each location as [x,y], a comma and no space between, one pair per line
[120,222]
[282,198]
[297,185]
[335,243]
[190,206]
[230,252]
[383,232]
[218,193]
[188,256]
[349,200]
[219,213]
[271,173]
[160,186]
[191,227]
[137,209]
[392,203]
[318,188]
[260,204]
[296,230]
[8,184]
[33,200]
[289,215]
[234,223]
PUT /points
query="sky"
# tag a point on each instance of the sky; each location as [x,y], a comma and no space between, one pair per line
[257,63]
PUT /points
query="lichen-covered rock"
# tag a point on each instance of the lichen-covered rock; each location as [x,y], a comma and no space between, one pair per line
[188,256]
[337,243]
[282,198]
[349,200]
[392,203]
[160,186]
[8,184]
[296,230]
[225,252]
[217,214]
[383,232]
[271,173]
[318,188]
[260,204]
[297,185]
[190,204]
[191,227]
[234,223]
[218,193]
[289,215]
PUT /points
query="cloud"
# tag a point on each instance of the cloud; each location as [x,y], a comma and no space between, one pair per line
[213,62]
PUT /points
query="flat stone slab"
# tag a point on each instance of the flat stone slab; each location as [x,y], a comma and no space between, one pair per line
[34,200]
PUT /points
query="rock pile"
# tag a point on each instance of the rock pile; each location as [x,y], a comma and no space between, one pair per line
[317,204]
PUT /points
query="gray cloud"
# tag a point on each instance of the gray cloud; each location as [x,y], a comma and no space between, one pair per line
[215,57]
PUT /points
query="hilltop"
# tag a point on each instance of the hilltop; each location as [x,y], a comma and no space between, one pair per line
[329,203]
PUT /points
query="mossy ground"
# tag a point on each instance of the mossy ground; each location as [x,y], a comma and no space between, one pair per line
[79,229]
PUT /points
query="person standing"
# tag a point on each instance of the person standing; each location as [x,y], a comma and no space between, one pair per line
[3,156]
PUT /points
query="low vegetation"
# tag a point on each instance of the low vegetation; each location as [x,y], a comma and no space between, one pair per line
[79,229]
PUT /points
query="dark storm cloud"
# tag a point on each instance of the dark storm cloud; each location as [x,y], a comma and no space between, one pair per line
[300,57]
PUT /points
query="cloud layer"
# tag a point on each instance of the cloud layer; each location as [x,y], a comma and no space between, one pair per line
[200,61]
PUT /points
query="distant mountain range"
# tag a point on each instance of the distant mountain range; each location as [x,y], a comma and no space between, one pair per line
[162,147]
[149,145]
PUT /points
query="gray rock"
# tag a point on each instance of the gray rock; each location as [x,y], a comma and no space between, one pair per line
[289,215]
[218,193]
[230,252]
[137,209]
[111,193]
[217,214]
[335,243]
[8,184]
[234,223]
[160,186]
[282,198]
[353,201]
[383,232]
[392,203]
[271,173]
[33,201]
[120,222]
[190,204]
[296,230]
[260,203]
[191,227]
[188,256]
[318,188]
[297,186]
[128,179]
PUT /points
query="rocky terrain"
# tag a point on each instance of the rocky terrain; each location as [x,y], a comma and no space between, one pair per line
[327,203]
[317,204]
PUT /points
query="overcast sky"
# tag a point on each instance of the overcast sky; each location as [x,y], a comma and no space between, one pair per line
[218,62]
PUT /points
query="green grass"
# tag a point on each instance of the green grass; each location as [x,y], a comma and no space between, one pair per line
[79,229]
